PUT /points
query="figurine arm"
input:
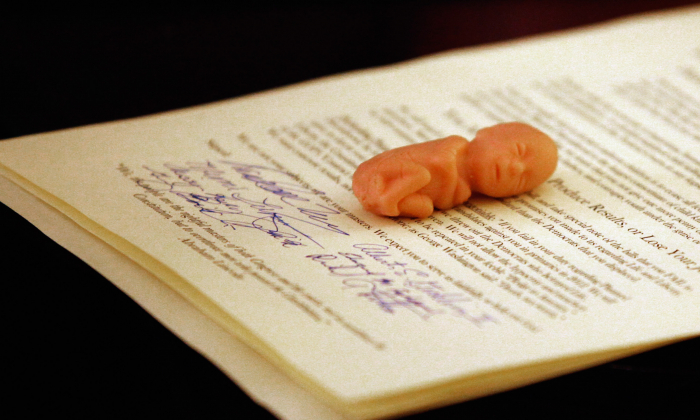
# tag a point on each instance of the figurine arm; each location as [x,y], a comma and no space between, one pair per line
[387,185]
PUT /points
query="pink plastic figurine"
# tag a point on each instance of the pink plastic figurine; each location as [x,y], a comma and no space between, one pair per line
[503,160]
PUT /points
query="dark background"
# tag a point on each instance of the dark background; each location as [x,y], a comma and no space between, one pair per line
[76,345]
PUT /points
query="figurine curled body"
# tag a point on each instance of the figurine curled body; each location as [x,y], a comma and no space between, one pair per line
[503,160]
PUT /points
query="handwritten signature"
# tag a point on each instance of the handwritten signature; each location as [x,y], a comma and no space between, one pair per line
[393,285]
[245,196]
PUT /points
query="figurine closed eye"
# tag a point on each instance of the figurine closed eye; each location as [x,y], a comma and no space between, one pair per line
[502,160]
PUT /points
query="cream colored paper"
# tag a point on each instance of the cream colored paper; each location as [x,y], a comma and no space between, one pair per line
[266,384]
[244,208]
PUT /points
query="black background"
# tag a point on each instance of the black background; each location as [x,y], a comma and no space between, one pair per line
[76,345]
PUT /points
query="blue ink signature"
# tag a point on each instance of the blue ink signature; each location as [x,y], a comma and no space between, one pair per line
[287,191]
[424,298]
[340,267]
[235,211]
[395,286]
[262,199]
[208,170]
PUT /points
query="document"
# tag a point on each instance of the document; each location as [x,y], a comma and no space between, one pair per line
[245,209]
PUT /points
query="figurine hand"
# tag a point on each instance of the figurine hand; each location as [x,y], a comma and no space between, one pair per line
[387,186]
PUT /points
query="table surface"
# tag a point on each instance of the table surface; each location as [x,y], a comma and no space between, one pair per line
[78,345]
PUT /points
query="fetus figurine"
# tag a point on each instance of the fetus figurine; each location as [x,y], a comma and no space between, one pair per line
[502,160]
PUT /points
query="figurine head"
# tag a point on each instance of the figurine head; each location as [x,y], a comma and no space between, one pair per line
[510,159]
